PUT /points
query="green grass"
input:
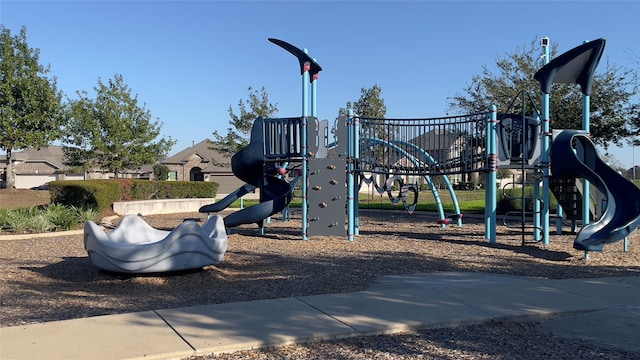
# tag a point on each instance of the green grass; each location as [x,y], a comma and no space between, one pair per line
[469,201]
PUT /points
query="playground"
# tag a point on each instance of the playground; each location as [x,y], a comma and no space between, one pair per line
[47,279]
[50,279]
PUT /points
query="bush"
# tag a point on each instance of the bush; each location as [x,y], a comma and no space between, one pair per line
[61,217]
[84,215]
[511,200]
[101,194]
[52,217]
[17,223]
[97,194]
[39,223]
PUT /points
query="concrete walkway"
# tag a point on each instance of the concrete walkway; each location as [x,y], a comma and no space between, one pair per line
[604,311]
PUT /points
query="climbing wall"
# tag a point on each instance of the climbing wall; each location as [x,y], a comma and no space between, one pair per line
[326,191]
[326,197]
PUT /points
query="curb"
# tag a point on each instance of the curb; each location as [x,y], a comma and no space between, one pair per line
[41,235]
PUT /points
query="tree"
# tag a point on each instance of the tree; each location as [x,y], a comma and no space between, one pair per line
[30,105]
[634,114]
[160,172]
[634,123]
[112,132]
[238,132]
[370,104]
[613,88]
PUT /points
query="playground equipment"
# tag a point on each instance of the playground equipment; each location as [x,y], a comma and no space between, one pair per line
[274,145]
[578,158]
[573,154]
[568,156]
[408,151]
[248,165]
[401,153]
[135,247]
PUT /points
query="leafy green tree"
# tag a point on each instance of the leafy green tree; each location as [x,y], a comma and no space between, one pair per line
[160,172]
[634,122]
[237,137]
[634,113]
[613,88]
[369,105]
[31,113]
[112,132]
[503,173]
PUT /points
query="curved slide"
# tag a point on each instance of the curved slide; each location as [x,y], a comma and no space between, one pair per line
[247,165]
[275,195]
[622,213]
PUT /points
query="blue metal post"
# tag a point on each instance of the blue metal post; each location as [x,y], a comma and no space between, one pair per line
[305,114]
[537,211]
[546,137]
[586,196]
[356,186]
[314,95]
[491,178]
[350,178]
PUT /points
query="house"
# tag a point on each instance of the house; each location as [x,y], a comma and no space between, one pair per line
[35,168]
[201,162]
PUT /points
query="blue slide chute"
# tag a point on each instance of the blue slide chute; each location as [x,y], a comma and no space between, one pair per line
[574,155]
[248,165]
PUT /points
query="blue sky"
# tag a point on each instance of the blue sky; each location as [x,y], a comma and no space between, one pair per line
[188,61]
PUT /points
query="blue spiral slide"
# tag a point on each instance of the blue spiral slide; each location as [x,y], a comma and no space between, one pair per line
[248,166]
[574,155]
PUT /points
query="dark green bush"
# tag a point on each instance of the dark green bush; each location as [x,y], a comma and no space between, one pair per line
[143,189]
[101,194]
[96,194]
[511,200]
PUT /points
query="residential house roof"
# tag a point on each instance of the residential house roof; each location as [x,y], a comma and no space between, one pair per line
[212,160]
[52,155]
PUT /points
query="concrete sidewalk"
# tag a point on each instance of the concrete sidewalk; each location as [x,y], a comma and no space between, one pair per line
[604,311]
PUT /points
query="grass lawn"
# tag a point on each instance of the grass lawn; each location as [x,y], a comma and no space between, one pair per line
[22,198]
[469,201]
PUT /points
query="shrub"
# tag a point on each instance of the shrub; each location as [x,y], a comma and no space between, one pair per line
[101,194]
[61,217]
[98,194]
[39,223]
[16,221]
[84,215]
[5,214]
[511,200]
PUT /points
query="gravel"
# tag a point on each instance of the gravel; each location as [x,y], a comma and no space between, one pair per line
[49,279]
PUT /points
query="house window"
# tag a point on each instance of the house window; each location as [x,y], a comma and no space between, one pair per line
[173,176]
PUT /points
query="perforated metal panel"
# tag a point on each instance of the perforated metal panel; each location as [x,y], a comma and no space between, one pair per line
[326,197]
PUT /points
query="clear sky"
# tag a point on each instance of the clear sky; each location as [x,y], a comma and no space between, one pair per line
[188,61]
